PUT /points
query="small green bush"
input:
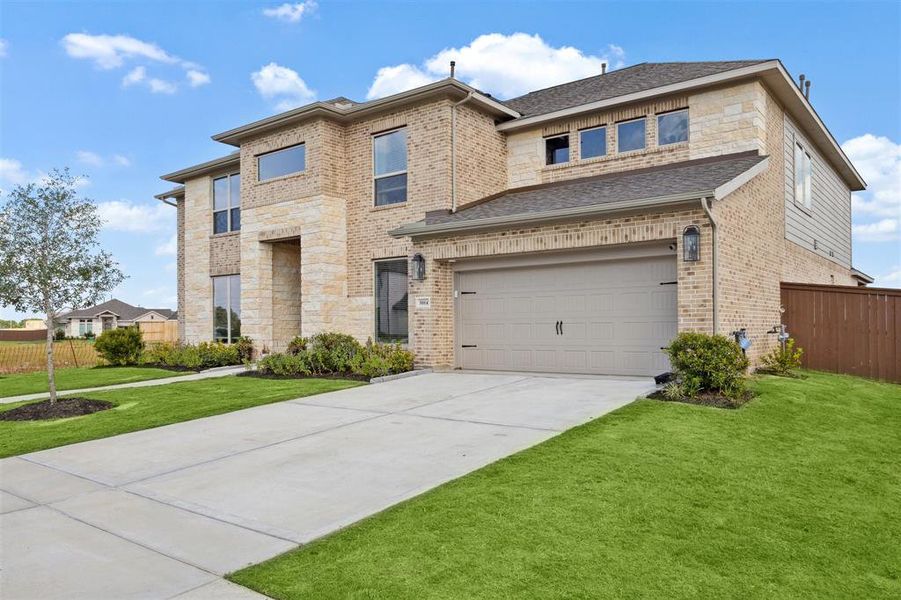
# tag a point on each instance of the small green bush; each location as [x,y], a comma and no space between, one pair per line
[332,352]
[244,345]
[337,354]
[378,360]
[285,365]
[783,362]
[297,345]
[708,363]
[205,355]
[120,346]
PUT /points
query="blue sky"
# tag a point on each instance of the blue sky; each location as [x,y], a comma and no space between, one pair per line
[125,91]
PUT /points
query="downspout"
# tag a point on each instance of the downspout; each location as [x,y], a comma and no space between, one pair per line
[454,150]
[705,204]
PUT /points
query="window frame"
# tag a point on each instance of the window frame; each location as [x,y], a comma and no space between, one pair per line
[687,126]
[375,295]
[284,149]
[568,149]
[595,128]
[644,138]
[229,225]
[229,338]
[806,183]
[405,171]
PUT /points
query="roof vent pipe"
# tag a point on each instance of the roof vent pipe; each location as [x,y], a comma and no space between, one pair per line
[807,89]
[453,68]
[604,68]
[801,82]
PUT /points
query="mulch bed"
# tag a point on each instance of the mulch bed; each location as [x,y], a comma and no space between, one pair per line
[63,408]
[707,399]
[258,375]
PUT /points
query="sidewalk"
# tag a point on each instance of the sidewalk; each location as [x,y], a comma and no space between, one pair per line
[209,373]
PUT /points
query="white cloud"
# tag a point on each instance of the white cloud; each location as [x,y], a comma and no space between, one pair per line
[122,161]
[124,215]
[11,171]
[892,278]
[197,78]
[291,13]
[89,158]
[283,86]
[167,248]
[884,230]
[878,159]
[505,65]
[114,51]
[4,48]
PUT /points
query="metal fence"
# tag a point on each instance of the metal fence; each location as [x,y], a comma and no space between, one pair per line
[26,357]
[852,330]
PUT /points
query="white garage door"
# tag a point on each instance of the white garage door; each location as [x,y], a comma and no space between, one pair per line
[604,317]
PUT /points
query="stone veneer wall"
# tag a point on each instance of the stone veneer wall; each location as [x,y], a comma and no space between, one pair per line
[195,308]
[180,265]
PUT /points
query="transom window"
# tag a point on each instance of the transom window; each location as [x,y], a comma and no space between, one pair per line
[281,162]
[803,177]
[227,308]
[630,135]
[672,127]
[391,300]
[556,150]
[593,142]
[227,203]
[389,166]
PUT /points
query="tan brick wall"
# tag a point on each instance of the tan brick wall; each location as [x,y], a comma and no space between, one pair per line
[225,253]
[196,307]
[180,265]
[800,265]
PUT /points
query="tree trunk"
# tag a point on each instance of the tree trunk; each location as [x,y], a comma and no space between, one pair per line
[50,375]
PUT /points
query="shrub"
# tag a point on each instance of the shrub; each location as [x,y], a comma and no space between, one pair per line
[783,361]
[674,391]
[337,354]
[285,365]
[59,335]
[297,345]
[244,345]
[711,363]
[205,355]
[332,352]
[120,346]
[378,360]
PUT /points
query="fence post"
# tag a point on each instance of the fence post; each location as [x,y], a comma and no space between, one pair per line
[72,348]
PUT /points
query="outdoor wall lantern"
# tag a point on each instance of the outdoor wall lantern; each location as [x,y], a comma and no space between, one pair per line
[691,244]
[418,267]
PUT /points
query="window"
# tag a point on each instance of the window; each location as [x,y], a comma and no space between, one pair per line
[281,162]
[630,135]
[227,308]
[593,142]
[556,150]
[389,162]
[391,300]
[672,127]
[227,203]
[803,176]
[85,326]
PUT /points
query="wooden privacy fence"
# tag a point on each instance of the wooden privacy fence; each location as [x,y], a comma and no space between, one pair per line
[852,330]
[159,331]
[24,358]
[22,335]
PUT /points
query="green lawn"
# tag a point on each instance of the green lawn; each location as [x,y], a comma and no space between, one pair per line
[142,408]
[795,495]
[73,379]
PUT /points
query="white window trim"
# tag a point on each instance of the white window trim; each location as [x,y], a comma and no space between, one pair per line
[569,148]
[375,177]
[285,149]
[228,209]
[228,308]
[606,149]
[644,147]
[673,112]
[375,298]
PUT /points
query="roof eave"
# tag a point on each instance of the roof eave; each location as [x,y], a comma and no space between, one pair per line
[322,109]
[182,175]
[421,229]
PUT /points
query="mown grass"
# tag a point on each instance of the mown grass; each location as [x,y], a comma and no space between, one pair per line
[74,378]
[795,495]
[142,408]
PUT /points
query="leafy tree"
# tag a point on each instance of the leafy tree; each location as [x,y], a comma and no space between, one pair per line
[49,254]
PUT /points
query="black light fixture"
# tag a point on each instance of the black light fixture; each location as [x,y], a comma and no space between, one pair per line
[418,267]
[691,244]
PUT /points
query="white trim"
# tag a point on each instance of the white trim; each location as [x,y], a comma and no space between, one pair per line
[732,185]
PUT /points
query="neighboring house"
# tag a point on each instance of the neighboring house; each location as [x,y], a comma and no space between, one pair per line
[34,324]
[574,229]
[110,315]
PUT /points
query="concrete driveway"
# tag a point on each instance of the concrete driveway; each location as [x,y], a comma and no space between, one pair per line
[165,512]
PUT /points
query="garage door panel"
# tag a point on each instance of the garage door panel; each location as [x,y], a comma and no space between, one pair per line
[616,316]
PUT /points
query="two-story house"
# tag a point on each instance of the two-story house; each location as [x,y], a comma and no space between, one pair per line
[573,229]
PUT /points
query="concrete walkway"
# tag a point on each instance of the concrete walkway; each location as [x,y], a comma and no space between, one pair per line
[164,513]
[217,372]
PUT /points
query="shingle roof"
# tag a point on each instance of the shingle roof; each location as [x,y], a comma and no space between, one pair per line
[633,79]
[125,311]
[675,179]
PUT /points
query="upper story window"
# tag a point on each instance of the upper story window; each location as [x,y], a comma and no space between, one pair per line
[227,203]
[556,150]
[282,162]
[593,142]
[389,167]
[630,135]
[803,177]
[672,127]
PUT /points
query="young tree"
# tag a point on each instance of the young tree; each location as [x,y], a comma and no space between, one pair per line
[49,257]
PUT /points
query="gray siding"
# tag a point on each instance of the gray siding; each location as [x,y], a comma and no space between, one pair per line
[827,225]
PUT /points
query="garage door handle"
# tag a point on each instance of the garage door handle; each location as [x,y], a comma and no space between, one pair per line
[561,327]
[470,346]
[557,327]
